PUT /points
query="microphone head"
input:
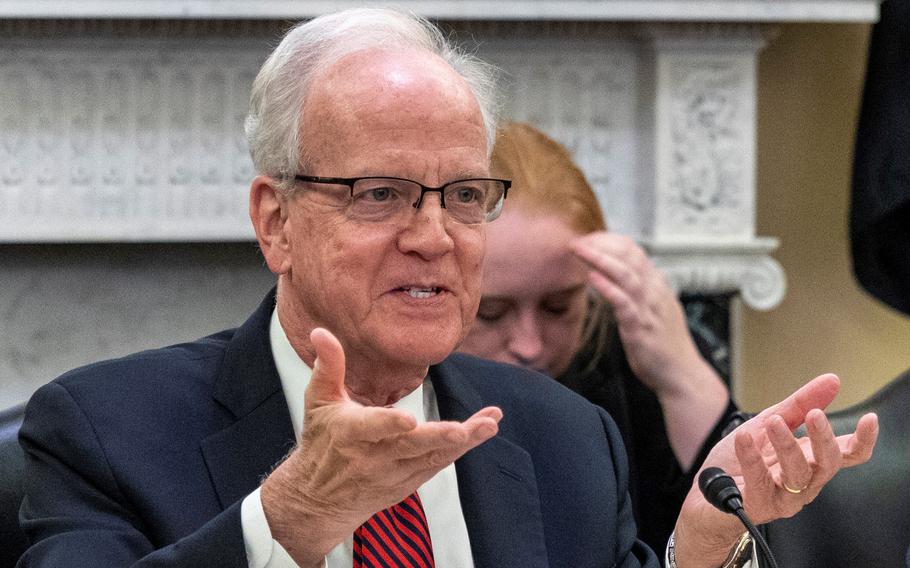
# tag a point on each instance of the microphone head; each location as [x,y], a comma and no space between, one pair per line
[720,490]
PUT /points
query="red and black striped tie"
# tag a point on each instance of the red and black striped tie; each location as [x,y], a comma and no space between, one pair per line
[397,537]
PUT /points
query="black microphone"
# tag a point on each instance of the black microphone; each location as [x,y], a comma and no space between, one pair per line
[721,491]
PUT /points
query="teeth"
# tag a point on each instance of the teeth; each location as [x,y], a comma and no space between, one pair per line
[421,292]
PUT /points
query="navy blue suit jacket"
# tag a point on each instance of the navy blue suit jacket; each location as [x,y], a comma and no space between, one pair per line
[145,460]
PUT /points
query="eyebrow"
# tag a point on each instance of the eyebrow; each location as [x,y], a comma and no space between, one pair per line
[370,171]
[567,291]
[468,174]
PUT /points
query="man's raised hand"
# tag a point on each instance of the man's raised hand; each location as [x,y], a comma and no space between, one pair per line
[354,460]
[777,472]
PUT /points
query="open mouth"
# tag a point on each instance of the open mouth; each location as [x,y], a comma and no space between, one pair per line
[421,293]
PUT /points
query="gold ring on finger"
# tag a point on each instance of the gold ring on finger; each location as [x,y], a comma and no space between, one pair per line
[794,491]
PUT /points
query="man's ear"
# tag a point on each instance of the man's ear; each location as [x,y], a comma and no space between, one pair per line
[269,214]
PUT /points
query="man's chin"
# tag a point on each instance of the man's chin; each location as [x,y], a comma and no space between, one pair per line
[422,350]
[431,356]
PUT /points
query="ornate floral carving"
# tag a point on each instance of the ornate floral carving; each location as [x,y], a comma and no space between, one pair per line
[711,130]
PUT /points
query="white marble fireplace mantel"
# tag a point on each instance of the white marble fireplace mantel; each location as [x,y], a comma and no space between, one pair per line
[120,120]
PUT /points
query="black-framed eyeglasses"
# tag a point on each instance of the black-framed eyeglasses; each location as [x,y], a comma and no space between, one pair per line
[391,199]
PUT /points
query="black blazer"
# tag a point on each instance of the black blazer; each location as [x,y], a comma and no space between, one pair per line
[880,202]
[146,459]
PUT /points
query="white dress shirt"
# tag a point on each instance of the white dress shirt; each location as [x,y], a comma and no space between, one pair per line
[439,495]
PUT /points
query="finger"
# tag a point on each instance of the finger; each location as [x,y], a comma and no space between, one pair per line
[759,485]
[597,240]
[624,308]
[859,445]
[437,459]
[482,426]
[825,449]
[817,393]
[493,412]
[327,382]
[613,244]
[358,423]
[626,252]
[795,471]
[478,429]
[447,438]
[621,272]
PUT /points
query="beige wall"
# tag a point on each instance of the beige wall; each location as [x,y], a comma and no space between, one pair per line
[810,83]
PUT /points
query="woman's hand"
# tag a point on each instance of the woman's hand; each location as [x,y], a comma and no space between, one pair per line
[651,322]
[655,338]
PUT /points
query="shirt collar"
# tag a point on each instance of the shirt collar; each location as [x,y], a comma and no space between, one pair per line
[295,375]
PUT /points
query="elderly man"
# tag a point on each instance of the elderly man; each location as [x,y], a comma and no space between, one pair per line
[371,136]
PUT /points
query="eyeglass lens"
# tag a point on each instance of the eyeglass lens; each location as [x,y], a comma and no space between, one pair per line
[392,200]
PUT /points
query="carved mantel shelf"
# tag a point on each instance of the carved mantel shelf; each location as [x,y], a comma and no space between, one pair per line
[595,10]
[121,120]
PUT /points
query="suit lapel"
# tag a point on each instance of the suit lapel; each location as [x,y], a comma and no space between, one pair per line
[496,484]
[239,456]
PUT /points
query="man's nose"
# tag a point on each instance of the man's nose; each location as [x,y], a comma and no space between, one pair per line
[526,341]
[426,232]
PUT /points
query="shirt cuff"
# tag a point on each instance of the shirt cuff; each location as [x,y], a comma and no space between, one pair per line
[670,557]
[262,551]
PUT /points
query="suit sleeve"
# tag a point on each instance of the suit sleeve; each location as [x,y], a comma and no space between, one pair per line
[74,513]
[631,551]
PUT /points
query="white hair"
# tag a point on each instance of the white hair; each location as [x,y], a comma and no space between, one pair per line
[281,87]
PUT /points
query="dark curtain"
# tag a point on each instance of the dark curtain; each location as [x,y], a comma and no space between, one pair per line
[880,204]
